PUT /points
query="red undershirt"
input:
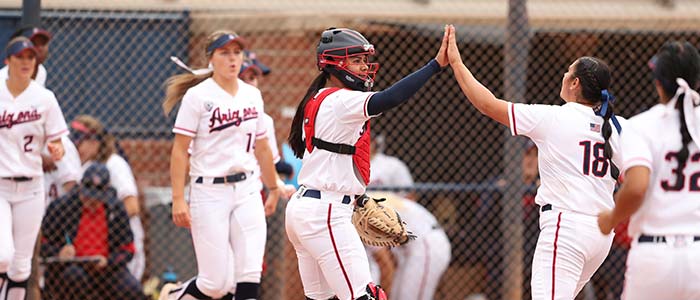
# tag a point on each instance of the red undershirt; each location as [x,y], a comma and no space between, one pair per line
[91,238]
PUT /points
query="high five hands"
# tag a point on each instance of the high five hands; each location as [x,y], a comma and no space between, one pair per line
[448,53]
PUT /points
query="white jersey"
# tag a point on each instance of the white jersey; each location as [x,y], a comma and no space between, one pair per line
[224,128]
[389,171]
[269,125]
[573,172]
[669,207]
[420,221]
[340,119]
[271,139]
[40,75]
[26,124]
[67,169]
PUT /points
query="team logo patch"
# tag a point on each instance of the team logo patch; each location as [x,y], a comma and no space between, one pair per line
[208,105]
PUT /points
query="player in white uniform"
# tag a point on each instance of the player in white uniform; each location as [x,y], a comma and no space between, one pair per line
[219,114]
[330,131]
[29,119]
[576,143]
[62,175]
[95,144]
[387,170]
[661,167]
[40,38]
[420,263]
[251,71]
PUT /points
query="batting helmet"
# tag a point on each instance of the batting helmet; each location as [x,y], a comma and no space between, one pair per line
[335,47]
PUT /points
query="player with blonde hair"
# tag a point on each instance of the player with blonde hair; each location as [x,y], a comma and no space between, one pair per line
[219,116]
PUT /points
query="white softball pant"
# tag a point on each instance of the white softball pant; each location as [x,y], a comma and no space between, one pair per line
[420,265]
[569,250]
[663,270]
[332,259]
[138,263]
[229,233]
[21,211]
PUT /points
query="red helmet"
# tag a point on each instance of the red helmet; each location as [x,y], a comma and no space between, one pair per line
[339,44]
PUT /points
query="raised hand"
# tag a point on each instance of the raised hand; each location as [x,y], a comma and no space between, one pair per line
[441,56]
[453,54]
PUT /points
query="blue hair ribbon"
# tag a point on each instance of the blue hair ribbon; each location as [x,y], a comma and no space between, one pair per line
[608,99]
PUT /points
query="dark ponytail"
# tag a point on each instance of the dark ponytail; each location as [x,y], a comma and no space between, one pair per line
[295,134]
[594,75]
[674,60]
[683,154]
[607,132]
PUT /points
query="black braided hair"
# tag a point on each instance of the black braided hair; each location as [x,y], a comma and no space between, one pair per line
[683,154]
[295,134]
[594,75]
[678,59]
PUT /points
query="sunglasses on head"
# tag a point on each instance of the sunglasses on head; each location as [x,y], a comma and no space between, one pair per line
[82,132]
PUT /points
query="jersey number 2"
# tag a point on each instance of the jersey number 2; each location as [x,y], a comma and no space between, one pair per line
[599,165]
[29,139]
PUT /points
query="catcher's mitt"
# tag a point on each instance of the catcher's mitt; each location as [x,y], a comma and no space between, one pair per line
[379,225]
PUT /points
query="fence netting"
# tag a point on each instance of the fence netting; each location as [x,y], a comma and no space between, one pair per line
[110,61]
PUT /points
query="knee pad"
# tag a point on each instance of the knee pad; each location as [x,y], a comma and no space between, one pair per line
[374,292]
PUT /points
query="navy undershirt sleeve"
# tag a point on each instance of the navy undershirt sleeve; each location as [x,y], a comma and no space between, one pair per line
[402,90]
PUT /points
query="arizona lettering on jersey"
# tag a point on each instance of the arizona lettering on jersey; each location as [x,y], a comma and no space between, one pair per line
[217,120]
[27,122]
[574,174]
[8,119]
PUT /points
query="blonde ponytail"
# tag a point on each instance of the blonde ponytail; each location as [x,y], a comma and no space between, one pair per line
[177,86]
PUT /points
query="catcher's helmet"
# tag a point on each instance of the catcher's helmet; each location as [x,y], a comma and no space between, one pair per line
[338,44]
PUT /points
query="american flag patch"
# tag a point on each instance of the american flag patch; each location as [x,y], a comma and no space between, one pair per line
[595,127]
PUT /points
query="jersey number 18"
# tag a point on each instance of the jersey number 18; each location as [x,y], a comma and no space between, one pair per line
[599,164]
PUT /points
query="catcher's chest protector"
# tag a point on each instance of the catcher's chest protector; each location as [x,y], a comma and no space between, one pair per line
[360,151]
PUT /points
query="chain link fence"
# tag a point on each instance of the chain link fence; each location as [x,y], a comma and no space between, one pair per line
[110,61]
